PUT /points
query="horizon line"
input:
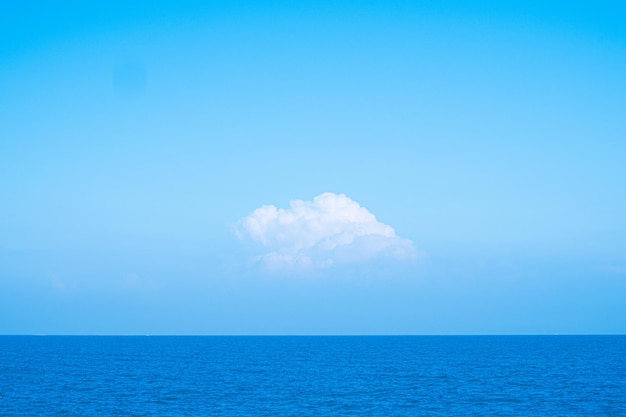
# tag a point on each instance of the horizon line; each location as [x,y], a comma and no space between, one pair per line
[314,335]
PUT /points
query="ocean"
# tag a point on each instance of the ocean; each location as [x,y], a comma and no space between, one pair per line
[313,376]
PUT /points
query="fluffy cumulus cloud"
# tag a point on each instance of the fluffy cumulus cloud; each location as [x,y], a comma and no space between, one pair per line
[329,230]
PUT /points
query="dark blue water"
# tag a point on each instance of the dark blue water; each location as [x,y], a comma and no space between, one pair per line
[299,376]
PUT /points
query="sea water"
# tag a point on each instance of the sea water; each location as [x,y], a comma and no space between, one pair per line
[307,376]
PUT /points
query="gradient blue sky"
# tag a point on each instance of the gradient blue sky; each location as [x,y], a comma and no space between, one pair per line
[134,138]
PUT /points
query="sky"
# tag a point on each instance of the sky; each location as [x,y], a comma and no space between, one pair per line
[271,167]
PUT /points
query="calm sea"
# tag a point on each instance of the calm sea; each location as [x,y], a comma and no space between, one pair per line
[302,376]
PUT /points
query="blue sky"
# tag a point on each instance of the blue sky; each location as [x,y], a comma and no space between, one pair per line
[137,141]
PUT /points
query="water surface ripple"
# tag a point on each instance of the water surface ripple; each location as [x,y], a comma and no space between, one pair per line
[350,376]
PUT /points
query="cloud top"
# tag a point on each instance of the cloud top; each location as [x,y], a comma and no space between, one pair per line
[330,229]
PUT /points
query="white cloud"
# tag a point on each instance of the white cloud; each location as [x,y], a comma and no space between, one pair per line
[330,229]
